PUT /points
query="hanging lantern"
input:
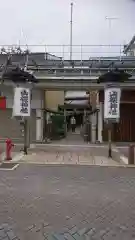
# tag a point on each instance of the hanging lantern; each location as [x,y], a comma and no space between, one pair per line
[2,102]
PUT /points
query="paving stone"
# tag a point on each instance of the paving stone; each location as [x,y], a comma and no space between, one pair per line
[73,230]
[90,232]
[45,224]
[2,234]
[11,235]
[5,226]
[51,237]
[68,236]
[31,227]
[99,234]
[76,236]
[83,231]
[82,156]
[58,236]
[6,238]
[99,202]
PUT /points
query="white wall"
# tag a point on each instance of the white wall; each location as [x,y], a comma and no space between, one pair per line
[53,99]
[8,92]
[37,101]
[75,94]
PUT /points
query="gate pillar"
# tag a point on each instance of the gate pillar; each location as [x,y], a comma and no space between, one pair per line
[100,123]
[94,101]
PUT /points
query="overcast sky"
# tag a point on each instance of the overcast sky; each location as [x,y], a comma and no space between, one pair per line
[47,21]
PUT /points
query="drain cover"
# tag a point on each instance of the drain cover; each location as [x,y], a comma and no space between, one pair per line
[8,166]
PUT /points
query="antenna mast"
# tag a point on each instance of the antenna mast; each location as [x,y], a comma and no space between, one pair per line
[110,19]
[71,31]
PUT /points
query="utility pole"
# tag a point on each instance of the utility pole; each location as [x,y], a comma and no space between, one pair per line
[71,31]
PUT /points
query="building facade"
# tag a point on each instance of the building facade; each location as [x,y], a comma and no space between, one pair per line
[54,79]
[124,131]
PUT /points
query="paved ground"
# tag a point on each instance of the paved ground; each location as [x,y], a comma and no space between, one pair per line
[82,156]
[85,154]
[124,150]
[96,202]
[68,154]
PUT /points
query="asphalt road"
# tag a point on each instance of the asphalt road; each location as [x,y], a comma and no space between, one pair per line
[96,202]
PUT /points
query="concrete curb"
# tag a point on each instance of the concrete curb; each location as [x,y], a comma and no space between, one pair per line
[42,145]
[118,157]
[124,159]
[72,164]
[76,165]
[2,157]
[17,157]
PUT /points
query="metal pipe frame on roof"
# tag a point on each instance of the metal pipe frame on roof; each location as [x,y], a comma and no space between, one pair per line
[67,70]
[36,64]
[129,45]
[62,51]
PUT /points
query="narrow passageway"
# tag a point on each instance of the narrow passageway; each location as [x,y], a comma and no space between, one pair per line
[75,138]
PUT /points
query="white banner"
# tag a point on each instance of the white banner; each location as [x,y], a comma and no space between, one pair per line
[112,103]
[21,105]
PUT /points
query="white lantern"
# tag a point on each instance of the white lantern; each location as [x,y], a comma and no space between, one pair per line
[21,104]
[112,103]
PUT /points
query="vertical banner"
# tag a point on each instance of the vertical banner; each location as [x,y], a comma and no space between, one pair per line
[112,103]
[21,104]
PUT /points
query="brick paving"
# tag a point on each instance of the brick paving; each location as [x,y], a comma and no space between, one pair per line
[67,202]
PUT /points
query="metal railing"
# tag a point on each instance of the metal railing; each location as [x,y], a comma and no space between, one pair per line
[54,60]
[79,52]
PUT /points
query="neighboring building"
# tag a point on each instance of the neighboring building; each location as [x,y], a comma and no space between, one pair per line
[49,56]
[129,49]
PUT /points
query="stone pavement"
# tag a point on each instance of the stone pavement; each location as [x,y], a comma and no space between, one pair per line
[6,233]
[124,150]
[15,150]
[16,156]
[88,154]
[69,155]
[67,202]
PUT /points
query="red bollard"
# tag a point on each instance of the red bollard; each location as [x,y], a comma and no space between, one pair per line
[9,146]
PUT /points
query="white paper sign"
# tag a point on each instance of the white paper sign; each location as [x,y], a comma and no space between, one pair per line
[112,103]
[21,105]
